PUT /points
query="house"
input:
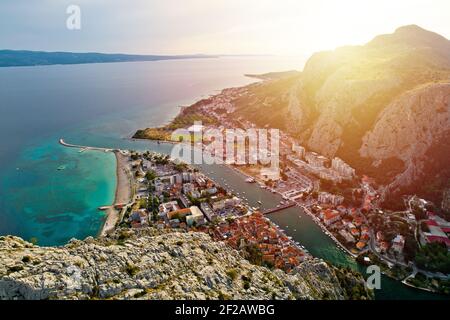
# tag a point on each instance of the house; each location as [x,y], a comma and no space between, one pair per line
[185,201]
[365,230]
[347,236]
[175,223]
[196,217]
[169,206]
[325,197]
[188,188]
[207,211]
[380,236]
[398,243]
[354,232]
[330,217]
[360,245]
[179,214]
[196,194]
[384,246]
[218,205]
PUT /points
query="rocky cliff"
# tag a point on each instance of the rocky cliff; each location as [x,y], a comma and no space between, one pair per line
[383,107]
[151,264]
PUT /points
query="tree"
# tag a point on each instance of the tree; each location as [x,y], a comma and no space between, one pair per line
[150,175]
[434,257]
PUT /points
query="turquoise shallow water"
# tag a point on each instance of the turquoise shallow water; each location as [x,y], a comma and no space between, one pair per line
[55,205]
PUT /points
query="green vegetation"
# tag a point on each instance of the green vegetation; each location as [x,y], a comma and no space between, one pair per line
[434,257]
[150,175]
[435,284]
[183,120]
[143,203]
[15,268]
[253,254]
[132,270]
[181,167]
[232,273]
[354,290]
[247,281]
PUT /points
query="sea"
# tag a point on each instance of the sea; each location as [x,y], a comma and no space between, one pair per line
[50,193]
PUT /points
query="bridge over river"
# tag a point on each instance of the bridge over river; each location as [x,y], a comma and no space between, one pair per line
[280,208]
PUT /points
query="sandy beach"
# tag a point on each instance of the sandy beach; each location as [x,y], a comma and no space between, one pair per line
[123,193]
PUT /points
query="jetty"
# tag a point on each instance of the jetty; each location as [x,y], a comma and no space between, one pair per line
[286,206]
[84,148]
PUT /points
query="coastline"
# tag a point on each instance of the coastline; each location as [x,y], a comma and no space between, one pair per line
[302,207]
[123,195]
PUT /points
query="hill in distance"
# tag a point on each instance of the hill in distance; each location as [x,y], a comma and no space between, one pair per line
[16,58]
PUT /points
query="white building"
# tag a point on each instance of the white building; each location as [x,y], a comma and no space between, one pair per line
[169,206]
[218,205]
[299,150]
[196,217]
[316,160]
[398,243]
[342,168]
[325,197]
[187,177]
[207,211]
[188,188]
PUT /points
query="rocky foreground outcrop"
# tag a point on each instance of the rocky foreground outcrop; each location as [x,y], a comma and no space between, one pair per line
[151,264]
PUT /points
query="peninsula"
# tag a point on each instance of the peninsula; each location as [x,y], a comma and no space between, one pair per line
[21,58]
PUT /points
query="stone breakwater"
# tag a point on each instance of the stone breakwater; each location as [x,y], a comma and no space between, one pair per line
[152,264]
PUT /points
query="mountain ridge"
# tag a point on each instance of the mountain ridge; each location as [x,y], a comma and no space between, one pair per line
[160,264]
[337,100]
[22,58]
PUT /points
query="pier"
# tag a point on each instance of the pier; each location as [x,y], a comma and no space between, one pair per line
[84,148]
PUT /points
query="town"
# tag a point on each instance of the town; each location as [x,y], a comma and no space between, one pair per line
[345,205]
[171,194]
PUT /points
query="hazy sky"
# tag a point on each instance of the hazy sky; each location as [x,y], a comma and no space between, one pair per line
[287,27]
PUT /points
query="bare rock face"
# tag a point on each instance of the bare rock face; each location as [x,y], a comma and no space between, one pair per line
[407,128]
[384,101]
[151,264]
[446,201]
